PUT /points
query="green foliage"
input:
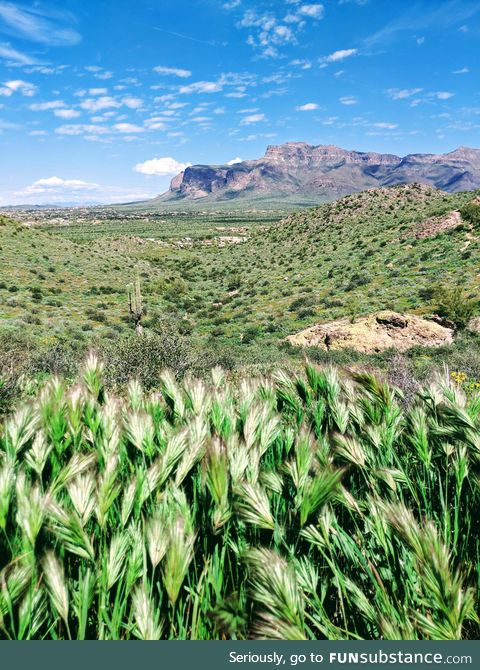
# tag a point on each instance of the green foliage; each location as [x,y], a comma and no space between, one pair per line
[455,304]
[305,506]
[471,213]
[362,250]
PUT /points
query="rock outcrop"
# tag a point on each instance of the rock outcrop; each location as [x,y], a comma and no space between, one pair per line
[374,333]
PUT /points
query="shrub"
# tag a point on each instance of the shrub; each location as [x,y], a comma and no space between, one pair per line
[471,213]
[454,303]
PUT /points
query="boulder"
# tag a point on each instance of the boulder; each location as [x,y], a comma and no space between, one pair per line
[374,333]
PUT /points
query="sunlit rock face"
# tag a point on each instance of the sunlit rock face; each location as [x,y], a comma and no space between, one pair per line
[325,171]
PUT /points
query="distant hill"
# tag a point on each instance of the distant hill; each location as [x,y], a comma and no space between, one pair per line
[299,174]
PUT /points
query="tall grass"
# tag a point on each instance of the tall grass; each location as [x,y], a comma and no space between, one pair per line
[283,508]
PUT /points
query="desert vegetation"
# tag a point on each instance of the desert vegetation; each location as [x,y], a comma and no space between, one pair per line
[294,506]
[234,305]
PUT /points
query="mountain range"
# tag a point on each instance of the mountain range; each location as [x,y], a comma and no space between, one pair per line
[306,174]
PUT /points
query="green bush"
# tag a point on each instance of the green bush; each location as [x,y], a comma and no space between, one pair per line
[471,213]
[454,303]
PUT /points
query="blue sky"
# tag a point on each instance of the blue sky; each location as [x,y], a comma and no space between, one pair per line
[104,101]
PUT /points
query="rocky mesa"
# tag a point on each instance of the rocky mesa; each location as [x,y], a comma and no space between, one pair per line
[322,173]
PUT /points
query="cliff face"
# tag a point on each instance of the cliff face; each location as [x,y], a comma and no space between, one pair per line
[325,172]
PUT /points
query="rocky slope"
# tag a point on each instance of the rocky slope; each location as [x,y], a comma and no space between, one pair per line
[321,173]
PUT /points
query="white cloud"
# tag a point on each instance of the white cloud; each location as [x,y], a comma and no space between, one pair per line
[443,95]
[38,133]
[174,71]
[201,87]
[81,129]
[103,75]
[252,118]
[231,4]
[235,161]
[66,113]
[340,55]
[157,122]
[176,105]
[55,184]
[97,91]
[312,11]
[463,70]
[18,86]
[385,126]
[349,100]
[303,64]
[132,103]
[38,25]
[97,104]
[44,106]
[128,128]
[269,33]
[402,93]
[308,107]
[54,190]
[161,167]
[10,54]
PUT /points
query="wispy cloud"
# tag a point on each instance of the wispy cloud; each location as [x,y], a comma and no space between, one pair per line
[423,16]
[232,4]
[340,55]
[402,93]
[82,129]
[252,118]
[385,126]
[427,97]
[201,87]
[10,54]
[308,107]
[45,106]
[38,25]
[175,71]
[349,100]
[190,38]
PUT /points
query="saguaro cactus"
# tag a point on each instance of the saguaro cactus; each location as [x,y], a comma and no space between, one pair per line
[135,304]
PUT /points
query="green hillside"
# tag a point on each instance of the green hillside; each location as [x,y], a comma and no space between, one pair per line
[236,302]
